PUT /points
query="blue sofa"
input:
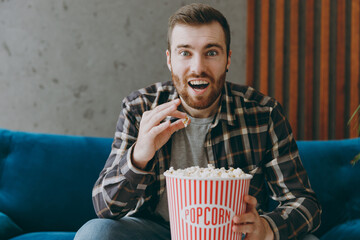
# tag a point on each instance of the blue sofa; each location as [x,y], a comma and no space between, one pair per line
[46,182]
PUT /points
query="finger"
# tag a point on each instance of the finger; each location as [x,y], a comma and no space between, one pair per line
[163,106]
[177,125]
[150,119]
[244,228]
[237,219]
[149,114]
[156,116]
[178,114]
[159,129]
[172,127]
[244,218]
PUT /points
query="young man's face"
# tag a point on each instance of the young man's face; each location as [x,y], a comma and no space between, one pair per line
[198,62]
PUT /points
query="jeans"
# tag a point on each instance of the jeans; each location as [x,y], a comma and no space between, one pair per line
[126,228]
[129,228]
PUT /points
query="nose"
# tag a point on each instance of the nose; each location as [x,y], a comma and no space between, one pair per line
[198,64]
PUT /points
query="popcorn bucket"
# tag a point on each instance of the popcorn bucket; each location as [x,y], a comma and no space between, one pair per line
[202,208]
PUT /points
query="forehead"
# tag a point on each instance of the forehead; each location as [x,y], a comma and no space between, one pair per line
[197,35]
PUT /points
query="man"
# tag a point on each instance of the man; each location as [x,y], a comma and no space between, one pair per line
[231,126]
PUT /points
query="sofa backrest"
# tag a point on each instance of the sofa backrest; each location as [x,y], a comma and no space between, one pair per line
[334,180]
[46,180]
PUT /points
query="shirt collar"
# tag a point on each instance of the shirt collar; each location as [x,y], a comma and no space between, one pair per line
[226,110]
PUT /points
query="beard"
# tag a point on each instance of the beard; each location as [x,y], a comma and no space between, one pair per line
[199,102]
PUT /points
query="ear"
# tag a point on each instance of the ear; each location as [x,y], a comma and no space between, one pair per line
[228,60]
[168,59]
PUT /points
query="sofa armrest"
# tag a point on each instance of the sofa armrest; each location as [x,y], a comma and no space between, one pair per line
[8,228]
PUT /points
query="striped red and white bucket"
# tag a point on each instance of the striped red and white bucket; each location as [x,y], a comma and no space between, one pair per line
[204,208]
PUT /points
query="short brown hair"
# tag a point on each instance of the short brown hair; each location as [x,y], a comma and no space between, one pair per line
[196,14]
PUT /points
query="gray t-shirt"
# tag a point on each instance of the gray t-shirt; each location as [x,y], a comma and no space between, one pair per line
[187,150]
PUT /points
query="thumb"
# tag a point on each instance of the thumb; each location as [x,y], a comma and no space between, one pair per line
[177,125]
[251,203]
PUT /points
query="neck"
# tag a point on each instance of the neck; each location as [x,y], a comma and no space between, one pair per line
[201,113]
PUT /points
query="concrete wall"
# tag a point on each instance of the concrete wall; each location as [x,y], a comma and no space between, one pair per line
[65,66]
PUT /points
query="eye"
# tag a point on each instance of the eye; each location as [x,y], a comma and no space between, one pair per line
[212,53]
[184,53]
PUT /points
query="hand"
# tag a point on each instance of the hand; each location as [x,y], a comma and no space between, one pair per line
[255,227]
[153,134]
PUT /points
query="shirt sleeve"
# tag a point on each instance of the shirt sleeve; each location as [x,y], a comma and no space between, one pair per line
[121,186]
[299,211]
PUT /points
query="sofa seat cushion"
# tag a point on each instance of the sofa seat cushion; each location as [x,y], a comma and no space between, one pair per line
[8,228]
[46,236]
[347,231]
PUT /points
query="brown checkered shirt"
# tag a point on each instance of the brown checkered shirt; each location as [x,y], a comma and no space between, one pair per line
[249,131]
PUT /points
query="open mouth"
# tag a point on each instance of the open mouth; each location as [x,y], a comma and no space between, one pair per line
[198,84]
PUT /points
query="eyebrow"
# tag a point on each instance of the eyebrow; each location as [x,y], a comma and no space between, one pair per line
[183,46]
[210,45]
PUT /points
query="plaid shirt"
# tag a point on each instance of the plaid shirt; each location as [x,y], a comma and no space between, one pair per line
[249,131]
